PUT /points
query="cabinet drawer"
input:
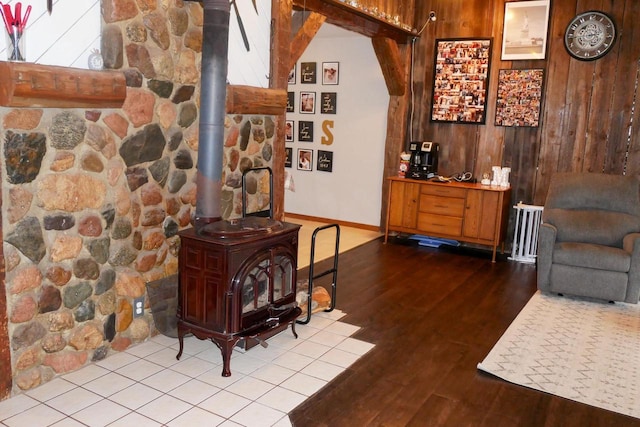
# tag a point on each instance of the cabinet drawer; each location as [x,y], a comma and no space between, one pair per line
[444,190]
[451,206]
[447,225]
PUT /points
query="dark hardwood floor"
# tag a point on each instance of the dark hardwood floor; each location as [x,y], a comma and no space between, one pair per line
[433,316]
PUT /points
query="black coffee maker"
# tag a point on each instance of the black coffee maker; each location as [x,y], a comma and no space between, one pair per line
[423,163]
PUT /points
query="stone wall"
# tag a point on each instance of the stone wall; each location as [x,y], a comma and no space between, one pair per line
[94,198]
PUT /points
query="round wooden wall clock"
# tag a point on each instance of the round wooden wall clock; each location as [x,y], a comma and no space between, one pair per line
[590,35]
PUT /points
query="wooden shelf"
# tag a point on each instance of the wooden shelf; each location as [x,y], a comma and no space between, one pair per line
[24,84]
[353,19]
[255,100]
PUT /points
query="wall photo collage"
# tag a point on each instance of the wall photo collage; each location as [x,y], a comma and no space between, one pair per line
[309,102]
[461,71]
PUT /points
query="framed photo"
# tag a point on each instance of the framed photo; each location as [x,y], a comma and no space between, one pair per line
[307,72]
[307,102]
[325,161]
[292,76]
[524,35]
[519,97]
[305,131]
[289,129]
[330,73]
[461,80]
[305,159]
[328,102]
[290,102]
[288,160]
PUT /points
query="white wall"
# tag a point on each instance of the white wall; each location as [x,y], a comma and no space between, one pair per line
[353,191]
[251,67]
[72,32]
[66,37]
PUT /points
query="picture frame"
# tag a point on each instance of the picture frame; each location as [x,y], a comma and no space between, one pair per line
[328,102]
[305,131]
[289,130]
[519,97]
[288,160]
[292,76]
[330,73]
[291,97]
[307,103]
[308,72]
[461,80]
[305,159]
[325,161]
[526,25]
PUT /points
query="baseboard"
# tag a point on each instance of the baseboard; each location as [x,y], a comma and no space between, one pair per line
[332,221]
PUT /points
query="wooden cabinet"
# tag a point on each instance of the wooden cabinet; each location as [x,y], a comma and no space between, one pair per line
[405,195]
[441,210]
[465,212]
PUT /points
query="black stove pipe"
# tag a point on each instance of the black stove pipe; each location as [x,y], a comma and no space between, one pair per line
[213,91]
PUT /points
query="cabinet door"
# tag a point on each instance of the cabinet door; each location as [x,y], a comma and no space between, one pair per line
[403,204]
[481,211]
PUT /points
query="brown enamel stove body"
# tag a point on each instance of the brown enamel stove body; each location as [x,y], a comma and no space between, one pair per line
[237,281]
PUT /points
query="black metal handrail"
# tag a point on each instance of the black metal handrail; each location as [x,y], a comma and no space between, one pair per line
[333,270]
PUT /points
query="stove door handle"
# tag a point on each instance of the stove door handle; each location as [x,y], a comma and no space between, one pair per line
[272,322]
[284,307]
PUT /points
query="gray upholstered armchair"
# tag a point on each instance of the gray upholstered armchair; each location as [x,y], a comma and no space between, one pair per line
[589,240]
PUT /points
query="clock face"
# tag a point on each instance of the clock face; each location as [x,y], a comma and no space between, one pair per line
[590,35]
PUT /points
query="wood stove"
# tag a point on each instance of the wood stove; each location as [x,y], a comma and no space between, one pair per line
[237,282]
[237,279]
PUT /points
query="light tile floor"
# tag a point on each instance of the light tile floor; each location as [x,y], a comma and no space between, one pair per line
[146,386]
[350,237]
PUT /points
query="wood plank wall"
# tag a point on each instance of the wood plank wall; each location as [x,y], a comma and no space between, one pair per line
[588,120]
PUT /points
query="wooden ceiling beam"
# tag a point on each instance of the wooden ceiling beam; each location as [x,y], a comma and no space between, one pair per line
[391,64]
[352,19]
[311,14]
[311,24]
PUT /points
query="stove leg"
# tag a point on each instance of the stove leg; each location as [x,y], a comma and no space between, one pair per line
[293,329]
[181,341]
[226,348]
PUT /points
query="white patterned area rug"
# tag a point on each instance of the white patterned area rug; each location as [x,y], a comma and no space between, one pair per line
[578,349]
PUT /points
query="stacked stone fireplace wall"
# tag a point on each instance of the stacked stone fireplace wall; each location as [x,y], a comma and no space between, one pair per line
[93,198]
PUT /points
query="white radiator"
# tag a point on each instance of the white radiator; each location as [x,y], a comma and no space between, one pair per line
[525,236]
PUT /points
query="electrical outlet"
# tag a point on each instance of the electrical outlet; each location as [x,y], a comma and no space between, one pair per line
[138,307]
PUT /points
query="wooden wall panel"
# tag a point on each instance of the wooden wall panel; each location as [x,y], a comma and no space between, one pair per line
[583,89]
[555,106]
[589,121]
[632,166]
[459,143]
[601,101]
[625,90]
[490,141]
